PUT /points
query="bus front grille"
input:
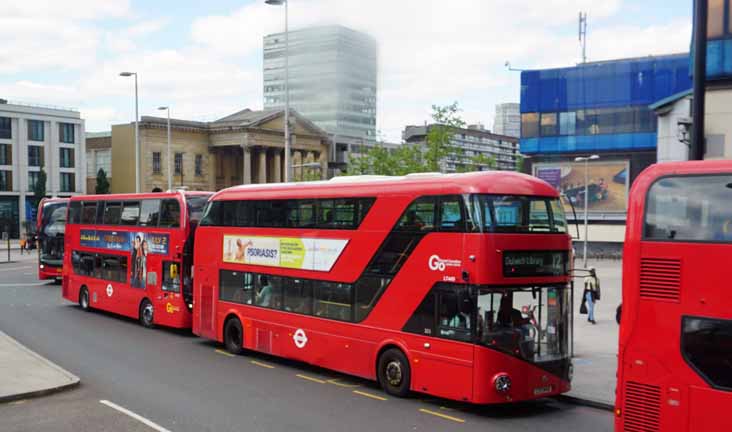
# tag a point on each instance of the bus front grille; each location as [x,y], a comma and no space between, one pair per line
[642,407]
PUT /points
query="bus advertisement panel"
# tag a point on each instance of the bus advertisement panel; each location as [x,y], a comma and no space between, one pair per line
[455,285]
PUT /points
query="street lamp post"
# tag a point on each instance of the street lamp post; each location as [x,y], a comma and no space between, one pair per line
[137,133]
[287,87]
[167,160]
[586,160]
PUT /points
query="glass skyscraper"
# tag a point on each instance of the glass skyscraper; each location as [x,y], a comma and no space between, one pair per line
[332,78]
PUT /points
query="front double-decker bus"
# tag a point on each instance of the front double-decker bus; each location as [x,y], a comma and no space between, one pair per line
[50,226]
[132,254]
[675,346]
[451,285]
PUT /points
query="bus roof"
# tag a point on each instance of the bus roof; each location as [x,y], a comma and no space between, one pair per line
[132,196]
[488,182]
[689,168]
[53,200]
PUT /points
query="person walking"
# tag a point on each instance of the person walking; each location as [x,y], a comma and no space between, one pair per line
[591,294]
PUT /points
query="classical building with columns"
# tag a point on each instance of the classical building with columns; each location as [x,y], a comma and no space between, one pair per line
[242,148]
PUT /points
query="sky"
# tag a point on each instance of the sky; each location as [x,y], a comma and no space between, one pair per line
[204,59]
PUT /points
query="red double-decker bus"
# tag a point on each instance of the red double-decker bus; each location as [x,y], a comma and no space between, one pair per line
[675,349]
[50,226]
[132,254]
[451,285]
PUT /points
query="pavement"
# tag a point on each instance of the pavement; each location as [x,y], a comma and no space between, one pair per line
[25,374]
[135,377]
[596,345]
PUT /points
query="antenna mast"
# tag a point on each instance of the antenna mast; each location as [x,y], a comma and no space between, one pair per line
[583,35]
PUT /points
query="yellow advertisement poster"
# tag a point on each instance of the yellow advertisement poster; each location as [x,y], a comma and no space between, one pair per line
[289,252]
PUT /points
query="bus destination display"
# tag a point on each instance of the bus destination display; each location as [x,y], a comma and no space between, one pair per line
[535,263]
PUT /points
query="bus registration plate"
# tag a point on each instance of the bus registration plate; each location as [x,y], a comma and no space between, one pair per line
[542,390]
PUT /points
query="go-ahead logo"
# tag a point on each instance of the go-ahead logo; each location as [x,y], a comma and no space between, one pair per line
[435,263]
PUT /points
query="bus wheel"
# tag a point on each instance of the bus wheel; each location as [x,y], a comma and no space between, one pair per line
[147,314]
[394,373]
[84,298]
[233,336]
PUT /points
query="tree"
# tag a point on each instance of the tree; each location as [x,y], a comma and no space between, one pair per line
[520,163]
[439,135]
[417,157]
[39,187]
[479,162]
[102,186]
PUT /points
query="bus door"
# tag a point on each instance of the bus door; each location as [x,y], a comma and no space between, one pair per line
[443,351]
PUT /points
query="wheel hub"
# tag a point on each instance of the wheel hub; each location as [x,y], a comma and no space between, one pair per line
[147,313]
[394,373]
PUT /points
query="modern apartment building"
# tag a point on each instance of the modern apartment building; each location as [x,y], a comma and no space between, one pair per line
[34,137]
[469,143]
[332,78]
[507,120]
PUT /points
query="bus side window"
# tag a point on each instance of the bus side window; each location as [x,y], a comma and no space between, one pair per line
[149,212]
[170,214]
[706,345]
[75,212]
[455,311]
[452,214]
[112,212]
[89,213]
[419,216]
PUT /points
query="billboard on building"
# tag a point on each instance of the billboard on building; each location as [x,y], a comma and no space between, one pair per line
[608,184]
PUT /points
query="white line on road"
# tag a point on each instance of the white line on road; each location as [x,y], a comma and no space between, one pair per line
[4,285]
[14,268]
[137,417]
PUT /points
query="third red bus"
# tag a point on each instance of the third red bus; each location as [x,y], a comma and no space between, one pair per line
[675,351]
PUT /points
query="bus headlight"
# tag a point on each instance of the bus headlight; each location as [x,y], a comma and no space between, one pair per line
[570,374]
[502,383]
[41,266]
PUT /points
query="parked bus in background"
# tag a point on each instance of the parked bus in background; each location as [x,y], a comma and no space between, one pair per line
[675,349]
[132,254]
[451,285]
[50,228]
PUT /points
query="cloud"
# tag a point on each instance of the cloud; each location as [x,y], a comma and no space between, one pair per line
[430,52]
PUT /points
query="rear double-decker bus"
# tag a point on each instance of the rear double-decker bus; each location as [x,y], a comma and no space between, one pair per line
[451,285]
[132,254]
[50,227]
[675,347]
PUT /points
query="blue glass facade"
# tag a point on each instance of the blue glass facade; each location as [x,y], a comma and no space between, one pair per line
[598,107]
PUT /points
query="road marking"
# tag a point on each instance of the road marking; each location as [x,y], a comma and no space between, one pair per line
[137,417]
[446,417]
[264,365]
[14,268]
[305,377]
[18,402]
[222,352]
[369,395]
[11,285]
[334,381]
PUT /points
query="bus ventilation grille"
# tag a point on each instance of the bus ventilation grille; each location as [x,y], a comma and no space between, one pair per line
[660,279]
[642,407]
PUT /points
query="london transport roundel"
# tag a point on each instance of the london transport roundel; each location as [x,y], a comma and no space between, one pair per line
[110,290]
[300,338]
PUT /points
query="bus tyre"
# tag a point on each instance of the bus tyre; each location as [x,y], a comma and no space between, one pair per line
[233,336]
[394,373]
[84,298]
[147,314]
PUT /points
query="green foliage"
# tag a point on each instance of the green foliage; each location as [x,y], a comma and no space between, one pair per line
[520,163]
[102,186]
[413,158]
[39,188]
[479,162]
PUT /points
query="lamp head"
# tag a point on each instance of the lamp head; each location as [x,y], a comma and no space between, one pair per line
[162,108]
[275,2]
[126,74]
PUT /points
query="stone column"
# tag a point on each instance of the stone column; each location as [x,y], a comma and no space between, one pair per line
[262,166]
[323,159]
[277,167]
[247,166]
